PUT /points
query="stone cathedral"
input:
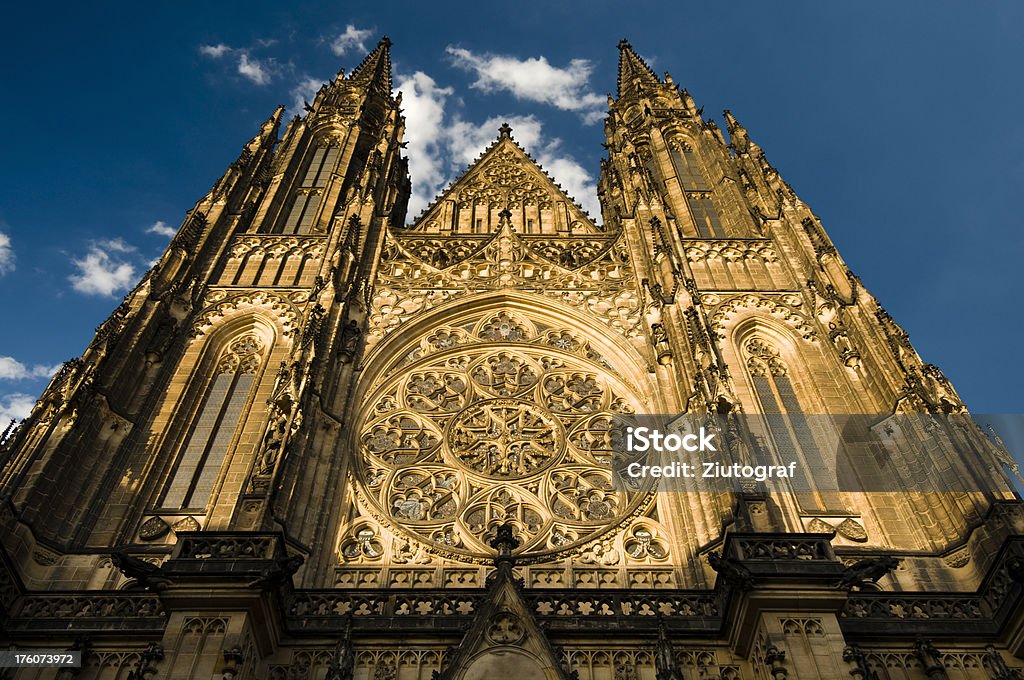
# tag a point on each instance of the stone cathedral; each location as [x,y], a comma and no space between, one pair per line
[323,439]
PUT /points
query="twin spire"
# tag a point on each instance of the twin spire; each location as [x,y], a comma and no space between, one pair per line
[376,67]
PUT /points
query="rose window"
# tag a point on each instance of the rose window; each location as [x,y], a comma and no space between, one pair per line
[505,438]
[471,435]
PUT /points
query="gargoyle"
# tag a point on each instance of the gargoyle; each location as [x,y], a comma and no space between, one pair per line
[278,574]
[733,572]
[149,576]
[869,570]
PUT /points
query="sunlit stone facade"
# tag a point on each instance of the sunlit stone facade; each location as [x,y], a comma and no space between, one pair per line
[325,439]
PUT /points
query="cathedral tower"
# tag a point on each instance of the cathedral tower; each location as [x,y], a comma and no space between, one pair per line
[322,440]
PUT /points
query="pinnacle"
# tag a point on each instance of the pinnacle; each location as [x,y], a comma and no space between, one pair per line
[269,126]
[632,68]
[732,124]
[505,131]
[276,115]
[376,67]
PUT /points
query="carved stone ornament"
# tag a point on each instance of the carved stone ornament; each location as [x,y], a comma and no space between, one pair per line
[853,530]
[186,524]
[153,528]
[505,628]
[819,526]
[958,558]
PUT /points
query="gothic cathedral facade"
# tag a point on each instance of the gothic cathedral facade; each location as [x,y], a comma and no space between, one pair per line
[322,439]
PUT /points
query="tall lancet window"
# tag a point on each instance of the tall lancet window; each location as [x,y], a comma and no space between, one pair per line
[305,201]
[789,427]
[215,424]
[697,190]
[687,167]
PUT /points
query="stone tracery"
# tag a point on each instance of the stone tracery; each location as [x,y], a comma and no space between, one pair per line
[501,420]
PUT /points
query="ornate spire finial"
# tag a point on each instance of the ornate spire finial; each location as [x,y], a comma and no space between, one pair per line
[505,131]
[505,542]
[632,68]
[376,67]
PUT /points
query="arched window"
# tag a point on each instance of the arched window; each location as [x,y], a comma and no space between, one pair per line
[696,189]
[305,201]
[214,426]
[789,427]
[687,167]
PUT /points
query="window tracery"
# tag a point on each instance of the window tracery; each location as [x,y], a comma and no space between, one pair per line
[788,424]
[505,420]
[214,426]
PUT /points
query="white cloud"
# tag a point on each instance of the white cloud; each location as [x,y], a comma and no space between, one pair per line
[352,38]
[15,406]
[468,140]
[534,80]
[117,245]
[442,144]
[257,71]
[253,69]
[423,104]
[573,177]
[304,91]
[6,254]
[12,369]
[214,51]
[100,273]
[161,228]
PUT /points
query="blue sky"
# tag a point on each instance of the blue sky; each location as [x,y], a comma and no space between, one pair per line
[897,122]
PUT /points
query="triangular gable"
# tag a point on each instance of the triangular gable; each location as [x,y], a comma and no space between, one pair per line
[503,638]
[504,179]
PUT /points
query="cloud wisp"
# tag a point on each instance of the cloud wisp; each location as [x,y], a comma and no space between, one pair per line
[12,369]
[304,91]
[161,228]
[214,51]
[256,71]
[15,407]
[352,39]
[6,254]
[534,80]
[253,69]
[104,270]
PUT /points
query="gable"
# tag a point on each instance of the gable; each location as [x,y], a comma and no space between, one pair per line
[504,179]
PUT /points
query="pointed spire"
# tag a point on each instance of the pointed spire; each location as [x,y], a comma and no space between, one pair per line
[376,67]
[269,126]
[738,136]
[731,121]
[632,67]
